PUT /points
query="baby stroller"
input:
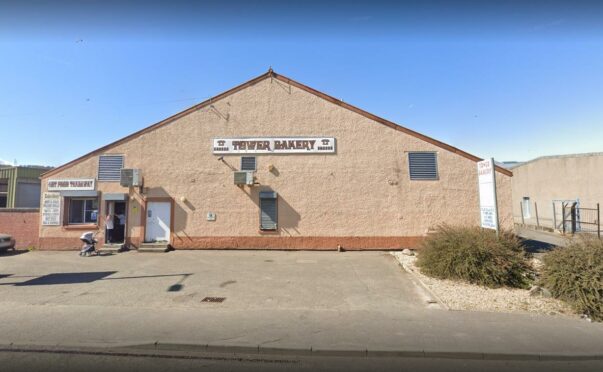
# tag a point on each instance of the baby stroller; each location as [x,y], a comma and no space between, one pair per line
[89,247]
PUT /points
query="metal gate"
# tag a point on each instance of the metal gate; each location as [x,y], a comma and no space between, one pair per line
[578,219]
[561,213]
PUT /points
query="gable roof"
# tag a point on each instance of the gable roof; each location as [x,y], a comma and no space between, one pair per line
[272,74]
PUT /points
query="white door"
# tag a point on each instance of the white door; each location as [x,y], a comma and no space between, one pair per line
[158,222]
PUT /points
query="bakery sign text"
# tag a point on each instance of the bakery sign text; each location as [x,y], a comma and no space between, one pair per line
[274,145]
[74,184]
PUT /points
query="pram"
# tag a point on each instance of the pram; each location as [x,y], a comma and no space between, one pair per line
[89,247]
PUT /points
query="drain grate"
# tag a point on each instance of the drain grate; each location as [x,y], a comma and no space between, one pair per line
[213,299]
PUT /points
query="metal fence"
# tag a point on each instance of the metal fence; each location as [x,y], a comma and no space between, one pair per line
[581,220]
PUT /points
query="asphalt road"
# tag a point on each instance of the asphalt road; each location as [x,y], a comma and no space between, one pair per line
[95,360]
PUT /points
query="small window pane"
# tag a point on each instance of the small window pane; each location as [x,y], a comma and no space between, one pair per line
[91,210]
[3,201]
[91,204]
[76,211]
[248,163]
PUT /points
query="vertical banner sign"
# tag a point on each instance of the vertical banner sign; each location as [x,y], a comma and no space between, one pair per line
[51,209]
[486,175]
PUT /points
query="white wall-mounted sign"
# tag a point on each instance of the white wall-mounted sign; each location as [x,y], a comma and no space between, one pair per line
[274,145]
[74,184]
[486,175]
[51,209]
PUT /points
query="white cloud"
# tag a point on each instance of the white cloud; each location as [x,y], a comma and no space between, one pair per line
[5,162]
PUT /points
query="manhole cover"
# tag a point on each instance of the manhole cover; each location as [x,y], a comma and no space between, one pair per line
[213,299]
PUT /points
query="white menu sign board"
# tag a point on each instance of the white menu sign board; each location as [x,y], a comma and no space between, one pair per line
[486,175]
[274,145]
[51,209]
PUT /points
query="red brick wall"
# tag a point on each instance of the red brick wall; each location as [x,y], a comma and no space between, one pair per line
[22,224]
[298,242]
[61,244]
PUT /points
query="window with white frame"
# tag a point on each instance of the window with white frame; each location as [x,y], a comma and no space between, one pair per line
[526,207]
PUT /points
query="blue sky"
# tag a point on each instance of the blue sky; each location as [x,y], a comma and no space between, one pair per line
[514,80]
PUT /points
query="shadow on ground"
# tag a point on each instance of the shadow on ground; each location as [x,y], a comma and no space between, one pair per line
[67,278]
[14,252]
[89,277]
[534,246]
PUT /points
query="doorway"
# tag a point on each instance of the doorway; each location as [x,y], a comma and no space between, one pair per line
[158,225]
[118,211]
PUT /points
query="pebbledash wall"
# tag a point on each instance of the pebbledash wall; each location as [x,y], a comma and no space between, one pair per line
[360,197]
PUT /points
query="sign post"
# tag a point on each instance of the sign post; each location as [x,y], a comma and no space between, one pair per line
[486,174]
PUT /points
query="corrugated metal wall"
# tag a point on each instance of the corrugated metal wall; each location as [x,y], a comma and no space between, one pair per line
[26,174]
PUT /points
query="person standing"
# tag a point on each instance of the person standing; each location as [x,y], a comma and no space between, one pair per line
[109,227]
[121,232]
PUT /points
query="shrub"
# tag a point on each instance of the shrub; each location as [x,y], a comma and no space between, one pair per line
[475,255]
[575,274]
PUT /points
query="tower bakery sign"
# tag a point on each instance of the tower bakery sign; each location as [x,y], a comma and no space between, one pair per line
[274,145]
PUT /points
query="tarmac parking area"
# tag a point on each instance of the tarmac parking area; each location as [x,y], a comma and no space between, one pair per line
[183,279]
[261,301]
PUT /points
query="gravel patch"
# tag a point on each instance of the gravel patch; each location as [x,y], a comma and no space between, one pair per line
[457,295]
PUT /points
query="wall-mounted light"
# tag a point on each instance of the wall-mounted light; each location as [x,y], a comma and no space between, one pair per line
[183,199]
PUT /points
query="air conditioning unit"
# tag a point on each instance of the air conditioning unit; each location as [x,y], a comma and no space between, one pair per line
[130,178]
[243,178]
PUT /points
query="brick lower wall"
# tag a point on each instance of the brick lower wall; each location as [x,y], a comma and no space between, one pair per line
[299,242]
[325,243]
[60,244]
[22,224]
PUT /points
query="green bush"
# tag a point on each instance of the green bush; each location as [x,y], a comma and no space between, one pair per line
[475,255]
[575,274]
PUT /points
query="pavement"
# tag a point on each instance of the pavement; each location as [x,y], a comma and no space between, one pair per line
[355,304]
[541,241]
[131,361]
